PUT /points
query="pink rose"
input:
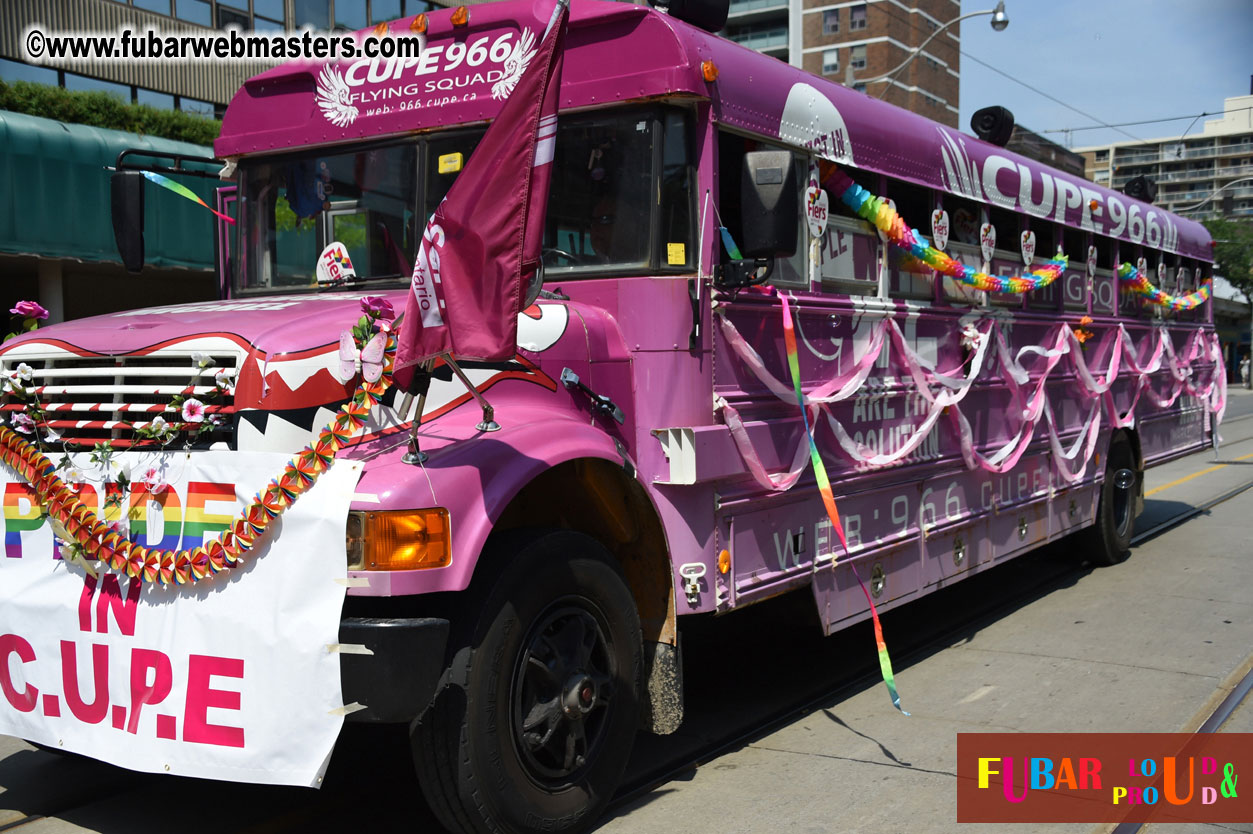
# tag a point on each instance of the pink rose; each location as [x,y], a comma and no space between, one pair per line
[378,307]
[30,310]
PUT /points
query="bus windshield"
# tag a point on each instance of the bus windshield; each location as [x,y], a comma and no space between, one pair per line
[620,202]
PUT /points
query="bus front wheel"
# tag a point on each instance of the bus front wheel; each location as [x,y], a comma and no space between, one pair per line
[537,711]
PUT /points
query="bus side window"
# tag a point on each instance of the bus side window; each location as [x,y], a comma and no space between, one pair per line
[1105,282]
[964,218]
[849,255]
[732,147]
[1131,304]
[1049,240]
[677,177]
[907,276]
[1007,260]
[1073,243]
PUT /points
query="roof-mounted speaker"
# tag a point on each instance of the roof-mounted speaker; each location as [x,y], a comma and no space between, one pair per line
[710,15]
[993,124]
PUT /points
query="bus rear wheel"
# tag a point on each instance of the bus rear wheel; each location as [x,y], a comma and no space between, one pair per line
[1109,540]
[537,711]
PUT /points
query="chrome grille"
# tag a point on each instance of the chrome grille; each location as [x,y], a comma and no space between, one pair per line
[89,400]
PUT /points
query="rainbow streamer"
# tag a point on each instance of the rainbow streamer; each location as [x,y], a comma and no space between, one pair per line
[828,500]
[183,191]
[886,220]
[1134,280]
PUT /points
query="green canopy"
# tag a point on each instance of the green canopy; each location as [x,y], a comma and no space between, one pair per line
[54,195]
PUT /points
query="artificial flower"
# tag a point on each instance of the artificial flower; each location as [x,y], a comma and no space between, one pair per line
[971,338]
[223,380]
[201,360]
[154,482]
[22,423]
[158,424]
[24,372]
[52,436]
[30,310]
[193,410]
[378,307]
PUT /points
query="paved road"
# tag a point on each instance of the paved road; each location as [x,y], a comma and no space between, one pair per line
[1142,646]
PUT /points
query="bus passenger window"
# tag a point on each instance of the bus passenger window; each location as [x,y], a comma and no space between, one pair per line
[1050,238]
[964,218]
[1105,282]
[850,246]
[1007,260]
[907,276]
[1073,243]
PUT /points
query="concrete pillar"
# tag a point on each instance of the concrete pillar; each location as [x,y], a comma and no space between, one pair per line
[51,290]
[795,33]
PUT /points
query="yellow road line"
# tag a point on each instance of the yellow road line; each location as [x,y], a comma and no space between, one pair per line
[1186,478]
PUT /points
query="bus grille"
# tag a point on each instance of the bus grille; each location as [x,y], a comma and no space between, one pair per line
[90,400]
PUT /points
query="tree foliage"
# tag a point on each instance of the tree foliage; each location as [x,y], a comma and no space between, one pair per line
[1233,253]
[100,109]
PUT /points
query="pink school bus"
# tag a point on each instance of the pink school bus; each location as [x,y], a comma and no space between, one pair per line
[517,586]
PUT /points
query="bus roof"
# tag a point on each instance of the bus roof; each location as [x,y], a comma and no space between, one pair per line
[624,52]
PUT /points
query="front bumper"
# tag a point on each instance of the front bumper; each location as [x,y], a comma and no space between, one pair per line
[397,680]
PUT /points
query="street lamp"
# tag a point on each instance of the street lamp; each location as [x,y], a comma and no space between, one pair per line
[999,21]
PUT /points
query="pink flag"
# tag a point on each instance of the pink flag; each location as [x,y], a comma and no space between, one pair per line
[486,235]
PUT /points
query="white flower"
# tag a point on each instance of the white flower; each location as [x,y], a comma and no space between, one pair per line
[201,360]
[223,380]
[52,436]
[971,338]
[73,476]
[24,371]
[8,385]
[158,424]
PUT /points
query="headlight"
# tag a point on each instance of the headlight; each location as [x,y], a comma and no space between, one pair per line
[398,539]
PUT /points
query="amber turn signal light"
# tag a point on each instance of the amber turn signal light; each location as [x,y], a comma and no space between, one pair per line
[460,16]
[398,539]
[418,24]
[709,70]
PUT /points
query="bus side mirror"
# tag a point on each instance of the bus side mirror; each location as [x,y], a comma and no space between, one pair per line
[769,204]
[127,205]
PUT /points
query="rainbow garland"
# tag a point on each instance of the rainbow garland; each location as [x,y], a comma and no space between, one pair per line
[886,220]
[99,541]
[1133,280]
[828,501]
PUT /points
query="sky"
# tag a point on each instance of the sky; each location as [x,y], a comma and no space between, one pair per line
[1117,60]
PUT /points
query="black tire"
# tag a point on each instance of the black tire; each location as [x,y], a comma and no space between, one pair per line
[557,642]
[1109,540]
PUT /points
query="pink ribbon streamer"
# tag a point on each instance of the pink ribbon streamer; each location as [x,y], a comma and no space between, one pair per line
[1029,402]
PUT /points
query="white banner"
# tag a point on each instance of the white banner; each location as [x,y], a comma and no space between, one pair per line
[230,678]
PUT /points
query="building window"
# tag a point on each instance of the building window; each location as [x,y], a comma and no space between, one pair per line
[11,71]
[199,108]
[161,101]
[830,61]
[350,14]
[831,22]
[194,11]
[82,83]
[857,17]
[857,60]
[229,17]
[313,13]
[158,6]
[859,88]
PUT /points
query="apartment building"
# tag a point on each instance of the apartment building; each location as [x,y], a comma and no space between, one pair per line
[1188,169]
[854,43]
